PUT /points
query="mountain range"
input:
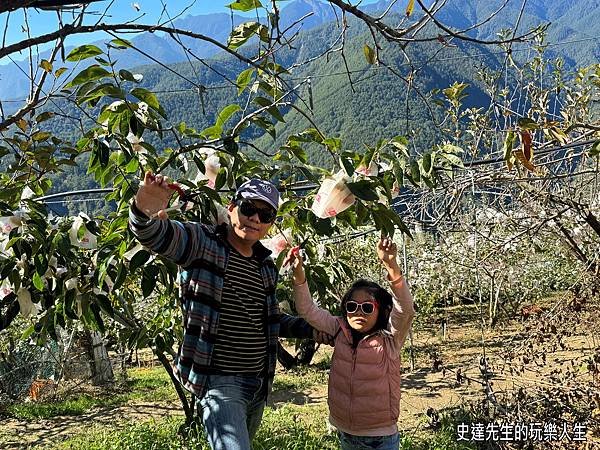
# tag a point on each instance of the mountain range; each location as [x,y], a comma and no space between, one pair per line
[376,105]
[573,21]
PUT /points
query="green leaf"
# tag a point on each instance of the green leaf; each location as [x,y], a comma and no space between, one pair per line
[527,124]
[363,189]
[70,298]
[221,178]
[245,5]
[226,113]
[368,157]
[28,332]
[272,109]
[83,52]
[244,78]
[121,276]
[105,304]
[146,96]
[138,260]
[103,61]
[382,223]
[455,91]
[212,132]
[509,143]
[595,149]
[348,163]
[427,163]
[449,148]
[40,136]
[149,279]
[60,71]
[323,227]
[263,33]
[308,135]
[333,144]
[92,73]
[415,172]
[46,65]
[44,116]
[298,152]
[398,173]
[369,54]
[97,317]
[132,166]
[287,207]
[126,75]
[38,282]
[453,159]
[401,143]
[265,125]
[243,32]
[121,44]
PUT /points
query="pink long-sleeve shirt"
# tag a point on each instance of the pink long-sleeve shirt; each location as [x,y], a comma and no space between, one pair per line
[364,382]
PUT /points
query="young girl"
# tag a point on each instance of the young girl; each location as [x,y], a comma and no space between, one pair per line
[364,381]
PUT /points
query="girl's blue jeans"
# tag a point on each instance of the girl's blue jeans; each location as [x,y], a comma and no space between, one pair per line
[231,410]
[351,442]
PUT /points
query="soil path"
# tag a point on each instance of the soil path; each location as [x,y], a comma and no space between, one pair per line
[23,434]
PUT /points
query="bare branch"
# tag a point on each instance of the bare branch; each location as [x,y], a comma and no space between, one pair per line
[400,34]
[68,30]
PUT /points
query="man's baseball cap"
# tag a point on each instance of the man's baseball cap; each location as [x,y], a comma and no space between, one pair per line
[256,189]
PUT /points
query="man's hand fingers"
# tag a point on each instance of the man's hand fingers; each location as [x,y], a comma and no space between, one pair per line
[148,177]
[290,257]
[321,337]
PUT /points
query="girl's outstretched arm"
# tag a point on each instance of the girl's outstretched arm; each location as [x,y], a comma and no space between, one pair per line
[403,311]
[319,318]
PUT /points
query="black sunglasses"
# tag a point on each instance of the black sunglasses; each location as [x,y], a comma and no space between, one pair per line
[248,209]
[366,307]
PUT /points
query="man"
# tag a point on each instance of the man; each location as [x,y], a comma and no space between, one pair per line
[231,318]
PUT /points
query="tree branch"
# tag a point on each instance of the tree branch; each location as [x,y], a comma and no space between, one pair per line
[68,30]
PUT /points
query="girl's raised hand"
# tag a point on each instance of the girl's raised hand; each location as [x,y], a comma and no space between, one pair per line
[295,259]
[387,251]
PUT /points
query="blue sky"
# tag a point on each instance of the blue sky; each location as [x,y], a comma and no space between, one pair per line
[43,22]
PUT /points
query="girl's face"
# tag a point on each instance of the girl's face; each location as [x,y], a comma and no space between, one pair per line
[362,311]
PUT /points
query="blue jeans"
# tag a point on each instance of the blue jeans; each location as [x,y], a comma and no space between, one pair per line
[351,442]
[231,410]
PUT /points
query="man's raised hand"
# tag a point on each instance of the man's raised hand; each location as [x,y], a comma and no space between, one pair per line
[153,195]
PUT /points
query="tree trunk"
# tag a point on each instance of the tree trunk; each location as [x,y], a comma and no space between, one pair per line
[307,350]
[188,408]
[285,359]
[101,366]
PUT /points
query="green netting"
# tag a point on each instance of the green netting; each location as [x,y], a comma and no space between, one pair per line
[25,364]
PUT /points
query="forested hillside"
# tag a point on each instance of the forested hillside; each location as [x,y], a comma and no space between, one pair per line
[374,105]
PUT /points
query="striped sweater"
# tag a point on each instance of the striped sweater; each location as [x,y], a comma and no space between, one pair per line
[202,253]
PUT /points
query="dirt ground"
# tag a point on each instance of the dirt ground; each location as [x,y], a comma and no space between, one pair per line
[446,353]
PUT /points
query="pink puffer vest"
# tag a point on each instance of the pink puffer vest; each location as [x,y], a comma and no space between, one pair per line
[364,384]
